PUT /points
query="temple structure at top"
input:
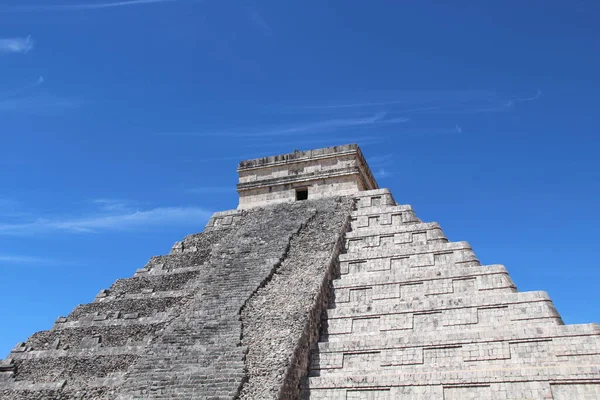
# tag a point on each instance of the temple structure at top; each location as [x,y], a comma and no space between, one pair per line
[301,175]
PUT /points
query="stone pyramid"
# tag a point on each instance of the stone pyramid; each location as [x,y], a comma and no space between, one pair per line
[319,286]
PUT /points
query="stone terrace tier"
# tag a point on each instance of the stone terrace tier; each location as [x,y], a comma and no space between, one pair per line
[415,316]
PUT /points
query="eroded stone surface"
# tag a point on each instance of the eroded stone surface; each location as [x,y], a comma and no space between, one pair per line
[174,330]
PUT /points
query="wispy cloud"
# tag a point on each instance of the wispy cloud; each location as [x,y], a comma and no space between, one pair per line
[19,259]
[379,164]
[312,127]
[381,173]
[30,98]
[258,21]
[211,189]
[331,140]
[22,45]
[512,102]
[117,219]
[414,103]
[10,208]
[11,93]
[84,6]
[40,103]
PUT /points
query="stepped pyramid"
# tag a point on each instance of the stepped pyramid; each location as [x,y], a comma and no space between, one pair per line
[318,286]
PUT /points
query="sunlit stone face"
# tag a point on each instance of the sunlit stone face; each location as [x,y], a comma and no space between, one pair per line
[314,174]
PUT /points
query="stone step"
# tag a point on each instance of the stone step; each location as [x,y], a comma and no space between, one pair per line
[395,235]
[419,282]
[103,368]
[374,198]
[462,355]
[22,352]
[91,337]
[466,335]
[126,309]
[434,304]
[149,284]
[518,373]
[393,229]
[441,314]
[438,252]
[114,319]
[383,217]
[559,390]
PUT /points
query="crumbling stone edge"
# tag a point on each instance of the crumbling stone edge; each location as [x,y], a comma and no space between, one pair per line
[264,283]
[300,361]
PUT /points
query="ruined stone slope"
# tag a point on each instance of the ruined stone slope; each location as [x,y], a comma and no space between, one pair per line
[176,329]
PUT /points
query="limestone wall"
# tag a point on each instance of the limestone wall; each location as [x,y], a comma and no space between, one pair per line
[415,316]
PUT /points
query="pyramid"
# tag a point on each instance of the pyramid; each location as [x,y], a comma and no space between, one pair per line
[318,286]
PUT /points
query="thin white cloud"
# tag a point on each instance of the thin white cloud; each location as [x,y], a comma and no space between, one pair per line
[38,104]
[112,205]
[431,102]
[26,99]
[83,6]
[17,259]
[211,189]
[381,160]
[331,140]
[382,173]
[318,127]
[99,222]
[19,91]
[258,21]
[22,45]
[10,208]
[512,102]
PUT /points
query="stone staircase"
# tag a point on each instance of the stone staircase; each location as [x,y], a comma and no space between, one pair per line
[88,353]
[414,316]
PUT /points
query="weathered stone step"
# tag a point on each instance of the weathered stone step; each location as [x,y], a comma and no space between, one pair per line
[439,255]
[518,373]
[577,388]
[465,335]
[433,304]
[393,229]
[374,198]
[390,216]
[419,282]
[146,294]
[91,337]
[444,314]
[149,284]
[21,351]
[397,236]
[113,319]
[454,355]
[72,369]
[126,309]
[436,250]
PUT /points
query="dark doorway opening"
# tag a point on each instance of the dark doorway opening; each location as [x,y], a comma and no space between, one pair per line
[301,194]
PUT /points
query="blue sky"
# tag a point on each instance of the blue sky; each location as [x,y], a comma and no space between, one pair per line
[121,125]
